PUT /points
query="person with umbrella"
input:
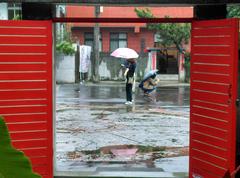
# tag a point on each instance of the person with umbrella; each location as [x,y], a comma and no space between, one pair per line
[149,82]
[129,74]
[130,55]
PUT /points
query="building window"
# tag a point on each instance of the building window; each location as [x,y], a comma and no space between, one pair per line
[88,40]
[14,11]
[118,40]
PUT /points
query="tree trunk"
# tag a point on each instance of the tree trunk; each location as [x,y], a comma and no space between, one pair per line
[77,73]
[95,62]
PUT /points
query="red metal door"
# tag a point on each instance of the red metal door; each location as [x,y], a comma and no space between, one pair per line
[214,65]
[26,89]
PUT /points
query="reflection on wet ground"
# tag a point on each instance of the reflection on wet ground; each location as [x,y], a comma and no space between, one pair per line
[176,96]
[95,131]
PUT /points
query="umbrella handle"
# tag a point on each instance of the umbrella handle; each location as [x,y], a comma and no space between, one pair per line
[126,71]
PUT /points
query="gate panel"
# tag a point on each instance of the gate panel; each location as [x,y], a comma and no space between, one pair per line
[26,89]
[214,62]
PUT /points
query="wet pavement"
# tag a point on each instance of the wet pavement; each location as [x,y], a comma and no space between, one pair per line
[98,135]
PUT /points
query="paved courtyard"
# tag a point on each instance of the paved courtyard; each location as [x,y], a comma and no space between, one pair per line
[96,134]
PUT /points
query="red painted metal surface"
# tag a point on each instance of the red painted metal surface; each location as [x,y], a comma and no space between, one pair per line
[123,20]
[214,61]
[26,89]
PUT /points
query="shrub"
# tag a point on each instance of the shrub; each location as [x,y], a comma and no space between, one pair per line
[65,47]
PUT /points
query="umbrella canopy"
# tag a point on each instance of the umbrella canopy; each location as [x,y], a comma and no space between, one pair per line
[150,74]
[126,53]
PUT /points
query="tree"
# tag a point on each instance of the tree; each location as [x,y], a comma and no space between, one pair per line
[170,33]
[233,11]
[95,62]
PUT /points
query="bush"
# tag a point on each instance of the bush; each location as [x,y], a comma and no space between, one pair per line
[65,47]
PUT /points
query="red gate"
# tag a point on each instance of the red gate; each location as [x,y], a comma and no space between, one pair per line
[214,65]
[26,89]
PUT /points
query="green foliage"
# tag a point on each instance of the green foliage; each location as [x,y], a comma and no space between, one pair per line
[170,33]
[233,11]
[17,17]
[65,47]
[13,163]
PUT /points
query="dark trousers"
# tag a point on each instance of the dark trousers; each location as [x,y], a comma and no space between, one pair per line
[129,91]
[84,76]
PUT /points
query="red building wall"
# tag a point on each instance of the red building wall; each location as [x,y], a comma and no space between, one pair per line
[136,31]
[105,40]
[125,12]
[134,39]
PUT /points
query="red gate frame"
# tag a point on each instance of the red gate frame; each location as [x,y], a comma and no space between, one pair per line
[26,89]
[214,74]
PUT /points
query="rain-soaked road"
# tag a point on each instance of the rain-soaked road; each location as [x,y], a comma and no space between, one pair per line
[96,134]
